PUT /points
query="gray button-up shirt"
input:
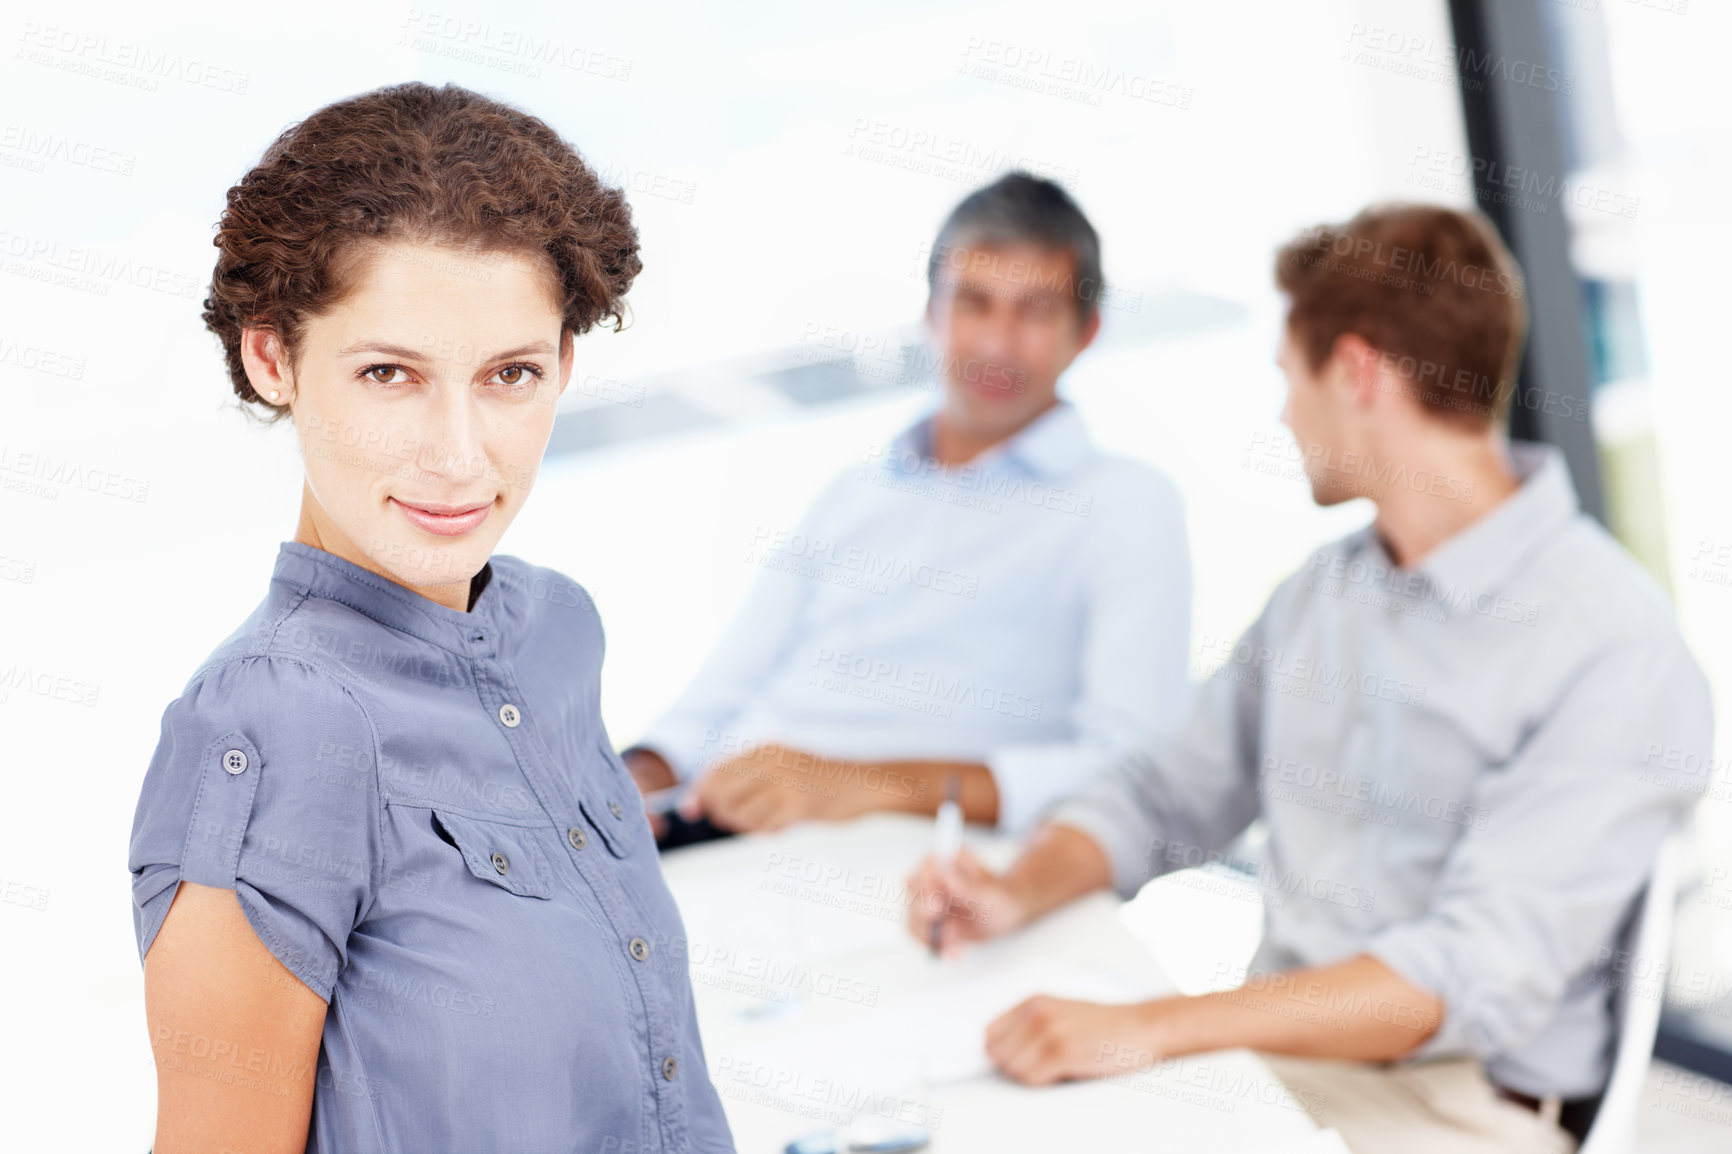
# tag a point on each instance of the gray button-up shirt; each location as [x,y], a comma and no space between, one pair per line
[1466,771]
[427,824]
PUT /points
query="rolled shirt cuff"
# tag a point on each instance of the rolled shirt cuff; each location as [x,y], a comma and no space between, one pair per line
[1032,778]
[1412,950]
[683,750]
[1121,837]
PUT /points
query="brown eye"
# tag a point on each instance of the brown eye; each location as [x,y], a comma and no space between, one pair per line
[518,378]
[372,374]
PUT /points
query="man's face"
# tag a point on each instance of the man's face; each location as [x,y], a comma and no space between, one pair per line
[429,392]
[1314,414]
[1005,322]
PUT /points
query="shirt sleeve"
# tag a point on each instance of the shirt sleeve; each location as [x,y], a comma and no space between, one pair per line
[1528,900]
[1183,798]
[263,783]
[695,729]
[1136,629]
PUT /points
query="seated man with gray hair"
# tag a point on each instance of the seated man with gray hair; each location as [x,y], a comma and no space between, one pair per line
[988,600]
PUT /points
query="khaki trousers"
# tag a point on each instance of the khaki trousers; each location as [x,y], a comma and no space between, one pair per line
[1437,1107]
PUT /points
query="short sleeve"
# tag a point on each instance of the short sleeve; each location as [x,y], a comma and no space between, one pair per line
[263,782]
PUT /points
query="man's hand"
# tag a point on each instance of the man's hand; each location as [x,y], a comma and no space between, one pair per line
[771,786]
[971,902]
[1381,1019]
[1044,1040]
[1058,864]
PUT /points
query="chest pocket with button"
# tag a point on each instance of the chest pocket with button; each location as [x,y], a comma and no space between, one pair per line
[612,803]
[505,855]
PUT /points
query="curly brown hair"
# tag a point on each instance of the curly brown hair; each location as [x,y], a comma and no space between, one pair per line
[418,163]
[1433,289]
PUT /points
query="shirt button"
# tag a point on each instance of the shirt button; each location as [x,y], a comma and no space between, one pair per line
[576,838]
[235,761]
[639,949]
[499,862]
[613,808]
[668,1068]
[509,715]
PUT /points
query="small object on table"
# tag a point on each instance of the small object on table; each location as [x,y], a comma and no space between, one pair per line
[897,1140]
[947,841]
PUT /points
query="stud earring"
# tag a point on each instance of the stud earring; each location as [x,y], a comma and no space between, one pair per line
[273,394]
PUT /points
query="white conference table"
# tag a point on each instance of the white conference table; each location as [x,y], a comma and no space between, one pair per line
[819,1011]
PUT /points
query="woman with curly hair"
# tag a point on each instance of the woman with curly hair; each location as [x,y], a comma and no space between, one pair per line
[392,886]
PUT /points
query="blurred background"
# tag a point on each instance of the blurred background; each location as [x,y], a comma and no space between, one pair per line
[788,165]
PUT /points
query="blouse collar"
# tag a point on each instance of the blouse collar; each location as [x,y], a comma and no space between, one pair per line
[314,572]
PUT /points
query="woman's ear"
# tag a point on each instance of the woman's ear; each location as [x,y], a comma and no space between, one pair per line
[266,362]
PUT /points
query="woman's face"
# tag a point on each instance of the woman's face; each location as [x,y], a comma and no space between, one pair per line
[423,404]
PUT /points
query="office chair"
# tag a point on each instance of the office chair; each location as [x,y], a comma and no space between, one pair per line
[1636,1001]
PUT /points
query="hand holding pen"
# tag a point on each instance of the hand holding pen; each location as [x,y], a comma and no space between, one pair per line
[952,897]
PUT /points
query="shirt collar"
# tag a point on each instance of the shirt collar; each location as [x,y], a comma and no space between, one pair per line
[1481,557]
[315,572]
[1053,444]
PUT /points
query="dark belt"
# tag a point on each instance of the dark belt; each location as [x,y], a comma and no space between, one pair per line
[1575,1115]
[1519,1098]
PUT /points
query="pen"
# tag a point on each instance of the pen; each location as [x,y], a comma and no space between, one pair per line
[947,839]
[664,801]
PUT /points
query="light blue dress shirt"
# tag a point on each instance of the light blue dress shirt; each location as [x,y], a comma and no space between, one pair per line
[426,823]
[1466,769]
[1029,610]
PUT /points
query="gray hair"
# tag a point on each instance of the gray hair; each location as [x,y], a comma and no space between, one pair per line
[1021,208]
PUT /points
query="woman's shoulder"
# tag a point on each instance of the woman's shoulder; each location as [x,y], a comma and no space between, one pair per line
[545,600]
[287,649]
[551,618]
[264,691]
[539,587]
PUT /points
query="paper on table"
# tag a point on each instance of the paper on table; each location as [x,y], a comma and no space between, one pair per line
[953,1014]
[935,1032]
[1327,1141]
[783,928]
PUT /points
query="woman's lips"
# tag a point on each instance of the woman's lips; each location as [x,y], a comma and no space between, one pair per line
[444,520]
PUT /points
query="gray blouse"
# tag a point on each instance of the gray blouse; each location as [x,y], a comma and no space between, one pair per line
[425,821]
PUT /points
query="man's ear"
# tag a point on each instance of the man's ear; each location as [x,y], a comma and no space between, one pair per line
[1360,365]
[1091,328]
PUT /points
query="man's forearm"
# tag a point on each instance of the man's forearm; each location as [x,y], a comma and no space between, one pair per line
[1358,1010]
[1058,864]
[979,795]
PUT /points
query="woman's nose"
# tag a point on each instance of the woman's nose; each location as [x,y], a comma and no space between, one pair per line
[452,442]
